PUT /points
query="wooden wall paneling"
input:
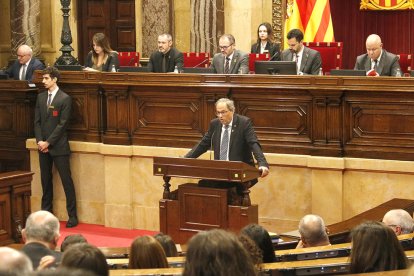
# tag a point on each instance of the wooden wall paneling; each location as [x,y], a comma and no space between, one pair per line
[6,235]
[20,196]
[123,25]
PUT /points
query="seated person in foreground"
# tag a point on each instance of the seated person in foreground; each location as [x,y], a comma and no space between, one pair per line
[308,61]
[375,248]
[166,58]
[101,57]
[399,221]
[230,60]
[312,232]
[147,252]
[232,138]
[167,244]
[262,239]
[265,42]
[24,66]
[13,262]
[377,61]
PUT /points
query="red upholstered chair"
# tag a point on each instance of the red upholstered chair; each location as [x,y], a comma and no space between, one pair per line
[253,57]
[128,58]
[405,62]
[331,54]
[192,59]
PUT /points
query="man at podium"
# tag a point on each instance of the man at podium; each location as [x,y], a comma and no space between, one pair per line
[233,138]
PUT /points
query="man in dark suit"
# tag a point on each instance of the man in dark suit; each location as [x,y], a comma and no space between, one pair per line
[52,114]
[230,60]
[377,61]
[309,61]
[40,236]
[24,66]
[167,58]
[233,138]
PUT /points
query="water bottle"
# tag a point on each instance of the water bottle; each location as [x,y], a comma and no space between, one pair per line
[320,72]
[398,73]
[176,69]
[113,69]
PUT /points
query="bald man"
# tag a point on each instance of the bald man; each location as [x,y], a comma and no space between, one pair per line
[24,66]
[14,262]
[312,232]
[377,61]
[399,221]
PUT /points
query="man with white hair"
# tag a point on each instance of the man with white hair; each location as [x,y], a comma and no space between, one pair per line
[41,235]
[24,66]
[312,232]
[399,221]
[377,61]
[14,262]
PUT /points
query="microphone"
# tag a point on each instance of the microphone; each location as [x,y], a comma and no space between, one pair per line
[211,143]
[274,55]
[198,64]
[131,61]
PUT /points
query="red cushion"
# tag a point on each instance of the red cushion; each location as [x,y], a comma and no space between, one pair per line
[253,57]
[331,54]
[192,59]
[128,58]
[405,62]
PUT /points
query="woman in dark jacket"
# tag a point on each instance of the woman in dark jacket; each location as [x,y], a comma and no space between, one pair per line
[265,42]
[101,57]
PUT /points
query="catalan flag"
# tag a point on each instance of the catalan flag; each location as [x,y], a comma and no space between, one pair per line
[313,17]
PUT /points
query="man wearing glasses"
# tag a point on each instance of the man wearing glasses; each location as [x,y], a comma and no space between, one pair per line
[230,60]
[308,60]
[232,137]
[24,66]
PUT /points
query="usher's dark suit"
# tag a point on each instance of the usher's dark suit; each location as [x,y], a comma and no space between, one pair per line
[173,58]
[387,66]
[34,64]
[243,142]
[272,48]
[50,125]
[311,60]
[36,251]
[239,60]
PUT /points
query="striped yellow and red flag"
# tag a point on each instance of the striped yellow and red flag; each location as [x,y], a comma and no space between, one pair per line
[313,17]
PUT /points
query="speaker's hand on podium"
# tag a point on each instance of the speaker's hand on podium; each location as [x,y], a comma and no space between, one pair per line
[264,170]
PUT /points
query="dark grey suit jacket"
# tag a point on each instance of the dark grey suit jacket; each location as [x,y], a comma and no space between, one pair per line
[273,48]
[34,64]
[243,142]
[311,60]
[240,60]
[387,66]
[107,66]
[36,251]
[174,58]
[50,124]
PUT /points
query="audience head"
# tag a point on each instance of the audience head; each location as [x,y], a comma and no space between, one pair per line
[100,45]
[265,32]
[217,253]
[14,262]
[24,54]
[375,247]
[167,244]
[225,110]
[295,40]
[71,240]
[227,44]
[85,256]
[164,43]
[399,220]
[251,247]
[42,227]
[262,238]
[147,252]
[374,46]
[313,231]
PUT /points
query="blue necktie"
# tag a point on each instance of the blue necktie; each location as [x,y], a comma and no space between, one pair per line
[224,143]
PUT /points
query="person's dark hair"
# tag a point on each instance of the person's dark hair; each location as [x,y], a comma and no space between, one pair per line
[147,252]
[167,244]
[71,240]
[270,36]
[85,256]
[251,247]
[217,253]
[101,40]
[52,71]
[375,247]
[295,33]
[262,238]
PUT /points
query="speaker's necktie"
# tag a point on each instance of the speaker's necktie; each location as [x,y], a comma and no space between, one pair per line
[224,147]
[227,66]
[23,77]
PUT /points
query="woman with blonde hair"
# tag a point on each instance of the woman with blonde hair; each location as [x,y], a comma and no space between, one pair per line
[101,57]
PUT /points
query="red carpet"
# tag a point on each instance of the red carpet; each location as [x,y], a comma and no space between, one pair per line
[102,236]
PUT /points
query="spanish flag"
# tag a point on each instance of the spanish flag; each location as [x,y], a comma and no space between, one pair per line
[313,17]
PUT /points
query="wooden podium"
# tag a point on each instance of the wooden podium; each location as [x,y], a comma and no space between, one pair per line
[199,208]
